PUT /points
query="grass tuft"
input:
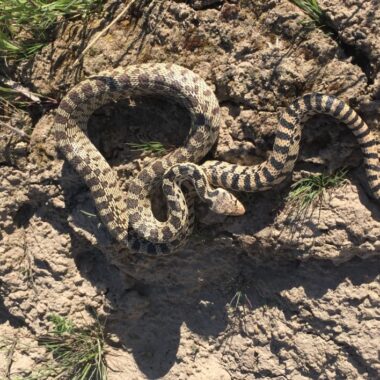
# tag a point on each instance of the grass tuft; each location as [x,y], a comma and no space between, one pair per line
[25,25]
[307,191]
[307,196]
[240,298]
[148,147]
[317,15]
[79,353]
[239,304]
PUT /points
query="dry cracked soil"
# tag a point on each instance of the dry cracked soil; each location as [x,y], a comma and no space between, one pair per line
[267,295]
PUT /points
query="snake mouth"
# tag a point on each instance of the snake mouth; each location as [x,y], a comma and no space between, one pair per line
[238,209]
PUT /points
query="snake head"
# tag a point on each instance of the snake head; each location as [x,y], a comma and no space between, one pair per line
[227,204]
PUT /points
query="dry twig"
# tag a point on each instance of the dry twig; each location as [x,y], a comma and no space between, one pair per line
[103,31]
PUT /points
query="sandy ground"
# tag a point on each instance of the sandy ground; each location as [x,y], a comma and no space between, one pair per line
[310,292]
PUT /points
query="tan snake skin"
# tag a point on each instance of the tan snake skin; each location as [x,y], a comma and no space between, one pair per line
[129,217]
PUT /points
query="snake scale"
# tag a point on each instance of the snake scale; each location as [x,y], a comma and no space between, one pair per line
[129,217]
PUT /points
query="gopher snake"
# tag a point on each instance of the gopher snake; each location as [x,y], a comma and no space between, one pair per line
[129,217]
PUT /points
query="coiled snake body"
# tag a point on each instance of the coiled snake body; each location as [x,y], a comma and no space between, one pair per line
[129,217]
